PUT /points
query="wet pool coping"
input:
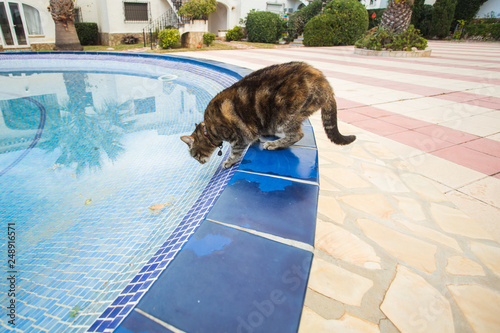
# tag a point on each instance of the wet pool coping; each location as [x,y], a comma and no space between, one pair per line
[240,259]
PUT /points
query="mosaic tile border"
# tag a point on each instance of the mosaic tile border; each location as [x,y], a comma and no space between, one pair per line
[137,288]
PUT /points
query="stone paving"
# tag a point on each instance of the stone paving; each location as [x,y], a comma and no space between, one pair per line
[408,228]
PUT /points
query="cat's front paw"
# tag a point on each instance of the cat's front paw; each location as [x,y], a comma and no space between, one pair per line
[271,145]
[227,164]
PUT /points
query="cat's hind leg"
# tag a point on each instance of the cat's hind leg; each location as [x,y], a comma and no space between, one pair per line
[292,135]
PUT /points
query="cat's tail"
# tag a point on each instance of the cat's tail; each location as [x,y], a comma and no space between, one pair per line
[329,119]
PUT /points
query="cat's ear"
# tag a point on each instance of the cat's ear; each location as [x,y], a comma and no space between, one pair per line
[189,140]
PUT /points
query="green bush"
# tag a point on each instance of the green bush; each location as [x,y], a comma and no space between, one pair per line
[264,27]
[343,22]
[235,33]
[168,38]
[198,9]
[442,16]
[384,39]
[298,20]
[208,38]
[483,30]
[87,32]
[466,10]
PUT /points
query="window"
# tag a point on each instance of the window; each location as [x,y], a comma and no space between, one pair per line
[33,22]
[274,7]
[136,11]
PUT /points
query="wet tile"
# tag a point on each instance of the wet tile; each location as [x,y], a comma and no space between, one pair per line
[413,305]
[479,305]
[228,280]
[272,205]
[294,162]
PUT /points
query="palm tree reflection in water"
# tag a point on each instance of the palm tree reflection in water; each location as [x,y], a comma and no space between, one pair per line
[85,134]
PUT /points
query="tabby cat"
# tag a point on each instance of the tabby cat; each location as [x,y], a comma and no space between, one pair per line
[273,99]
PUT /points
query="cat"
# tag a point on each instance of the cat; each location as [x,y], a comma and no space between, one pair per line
[272,99]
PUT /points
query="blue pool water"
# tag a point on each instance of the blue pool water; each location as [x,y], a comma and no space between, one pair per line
[94,178]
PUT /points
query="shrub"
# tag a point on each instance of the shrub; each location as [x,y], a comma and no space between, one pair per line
[235,33]
[169,38]
[343,22]
[208,38]
[483,30]
[87,32]
[374,17]
[466,10]
[264,27]
[442,16]
[198,9]
[384,39]
[298,20]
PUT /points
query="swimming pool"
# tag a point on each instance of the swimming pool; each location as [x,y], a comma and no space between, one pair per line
[116,229]
[93,176]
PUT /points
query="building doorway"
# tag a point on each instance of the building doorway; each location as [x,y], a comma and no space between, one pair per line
[218,20]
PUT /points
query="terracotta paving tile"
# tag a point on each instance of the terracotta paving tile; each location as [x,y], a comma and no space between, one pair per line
[447,134]
[460,97]
[471,159]
[484,145]
[350,116]
[379,127]
[420,141]
[343,103]
[374,112]
[405,121]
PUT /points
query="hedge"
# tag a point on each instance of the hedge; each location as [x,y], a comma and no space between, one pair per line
[264,27]
[87,32]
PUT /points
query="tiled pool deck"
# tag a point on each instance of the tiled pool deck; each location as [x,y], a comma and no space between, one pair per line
[408,225]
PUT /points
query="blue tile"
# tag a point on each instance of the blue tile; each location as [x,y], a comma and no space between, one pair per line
[294,162]
[226,280]
[137,323]
[272,205]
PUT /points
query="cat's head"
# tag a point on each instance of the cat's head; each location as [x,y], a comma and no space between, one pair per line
[200,147]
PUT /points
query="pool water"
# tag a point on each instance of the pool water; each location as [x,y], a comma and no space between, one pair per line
[93,177]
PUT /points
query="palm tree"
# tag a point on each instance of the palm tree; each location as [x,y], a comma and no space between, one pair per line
[64,17]
[397,15]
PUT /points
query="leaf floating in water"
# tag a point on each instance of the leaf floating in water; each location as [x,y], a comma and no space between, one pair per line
[156,209]
[88,202]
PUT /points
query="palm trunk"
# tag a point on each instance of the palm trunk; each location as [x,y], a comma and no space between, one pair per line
[397,16]
[66,37]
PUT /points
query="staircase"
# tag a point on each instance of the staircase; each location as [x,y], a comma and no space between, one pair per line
[299,41]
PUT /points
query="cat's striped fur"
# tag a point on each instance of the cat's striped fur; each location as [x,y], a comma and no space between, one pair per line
[271,100]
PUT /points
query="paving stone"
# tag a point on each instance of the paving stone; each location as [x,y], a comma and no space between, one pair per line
[329,207]
[373,204]
[413,251]
[456,222]
[433,235]
[359,152]
[347,178]
[343,245]
[313,322]
[379,150]
[337,158]
[411,208]
[458,265]
[423,187]
[489,256]
[413,305]
[385,179]
[338,283]
[326,185]
[479,305]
